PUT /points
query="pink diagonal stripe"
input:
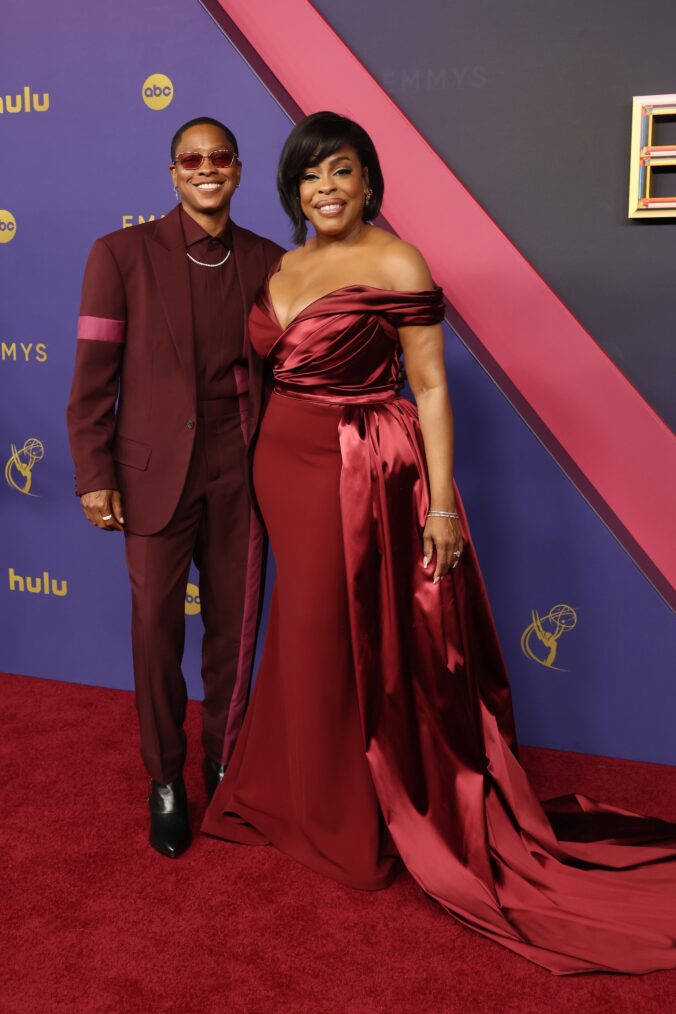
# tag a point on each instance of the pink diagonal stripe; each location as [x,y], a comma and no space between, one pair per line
[619,444]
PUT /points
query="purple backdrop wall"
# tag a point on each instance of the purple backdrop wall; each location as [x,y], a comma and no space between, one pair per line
[96,159]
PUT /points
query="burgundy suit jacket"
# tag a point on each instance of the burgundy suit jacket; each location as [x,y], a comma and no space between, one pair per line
[132,408]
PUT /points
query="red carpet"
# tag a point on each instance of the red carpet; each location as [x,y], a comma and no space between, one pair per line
[92,920]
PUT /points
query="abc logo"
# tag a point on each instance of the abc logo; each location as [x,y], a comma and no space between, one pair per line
[7,226]
[157,91]
[192,600]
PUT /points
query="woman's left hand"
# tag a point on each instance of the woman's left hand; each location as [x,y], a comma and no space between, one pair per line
[442,537]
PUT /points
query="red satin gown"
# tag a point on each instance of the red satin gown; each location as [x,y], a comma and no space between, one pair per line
[380,729]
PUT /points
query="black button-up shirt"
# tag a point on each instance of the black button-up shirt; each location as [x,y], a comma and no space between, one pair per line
[217,312]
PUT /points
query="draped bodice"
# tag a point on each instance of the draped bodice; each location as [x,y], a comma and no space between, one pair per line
[345,345]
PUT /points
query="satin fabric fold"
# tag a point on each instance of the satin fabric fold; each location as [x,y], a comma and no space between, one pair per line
[439,739]
[572,884]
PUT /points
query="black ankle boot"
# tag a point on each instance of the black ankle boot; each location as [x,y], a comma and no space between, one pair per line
[213,773]
[169,825]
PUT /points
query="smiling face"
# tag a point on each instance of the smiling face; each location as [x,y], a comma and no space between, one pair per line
[207,190]
[332,194]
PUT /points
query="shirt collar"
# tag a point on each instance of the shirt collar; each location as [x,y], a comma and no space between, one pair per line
[194,233]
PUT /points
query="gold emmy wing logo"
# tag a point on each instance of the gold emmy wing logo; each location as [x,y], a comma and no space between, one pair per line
[157,91]
[7,226]
[19,468]
[540,640]
[192,600]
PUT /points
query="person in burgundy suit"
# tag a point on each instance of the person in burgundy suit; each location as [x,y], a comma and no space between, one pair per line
[165,395]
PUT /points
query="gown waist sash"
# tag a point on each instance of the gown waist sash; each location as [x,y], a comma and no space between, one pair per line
[339,399]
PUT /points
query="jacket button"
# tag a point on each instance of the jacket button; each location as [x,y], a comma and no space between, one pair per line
[190,424]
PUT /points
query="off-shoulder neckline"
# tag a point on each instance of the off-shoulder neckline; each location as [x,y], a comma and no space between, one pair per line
[333,292]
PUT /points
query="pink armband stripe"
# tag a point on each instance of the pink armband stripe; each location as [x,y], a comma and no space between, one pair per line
[101,329]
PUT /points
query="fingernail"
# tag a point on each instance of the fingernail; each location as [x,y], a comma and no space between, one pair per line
[426,560]
[436,580]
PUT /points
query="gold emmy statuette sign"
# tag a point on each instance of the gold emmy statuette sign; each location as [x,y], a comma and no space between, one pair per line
[652,171]
[22,461]
[540,639]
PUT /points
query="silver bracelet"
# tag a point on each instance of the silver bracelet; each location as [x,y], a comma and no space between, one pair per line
[442,514]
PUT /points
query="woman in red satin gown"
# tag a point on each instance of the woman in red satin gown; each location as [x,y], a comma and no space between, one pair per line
[380,729]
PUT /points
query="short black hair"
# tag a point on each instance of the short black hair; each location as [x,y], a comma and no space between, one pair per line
[195,123]
[312,140]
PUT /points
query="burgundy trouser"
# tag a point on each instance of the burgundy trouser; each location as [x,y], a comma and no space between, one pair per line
[210,525]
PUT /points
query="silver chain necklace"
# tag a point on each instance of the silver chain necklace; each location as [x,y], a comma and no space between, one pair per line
[203,264]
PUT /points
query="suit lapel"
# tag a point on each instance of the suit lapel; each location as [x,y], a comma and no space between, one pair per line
[166,249]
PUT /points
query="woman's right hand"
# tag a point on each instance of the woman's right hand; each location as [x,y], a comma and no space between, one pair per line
[442,537]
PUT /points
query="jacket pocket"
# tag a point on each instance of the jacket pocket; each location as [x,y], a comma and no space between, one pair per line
[131,453]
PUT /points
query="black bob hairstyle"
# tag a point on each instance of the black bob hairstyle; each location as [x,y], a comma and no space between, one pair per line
[312,140]
[197,122]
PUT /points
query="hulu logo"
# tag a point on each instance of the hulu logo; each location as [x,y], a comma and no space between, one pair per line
[24,101]
[43,585]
